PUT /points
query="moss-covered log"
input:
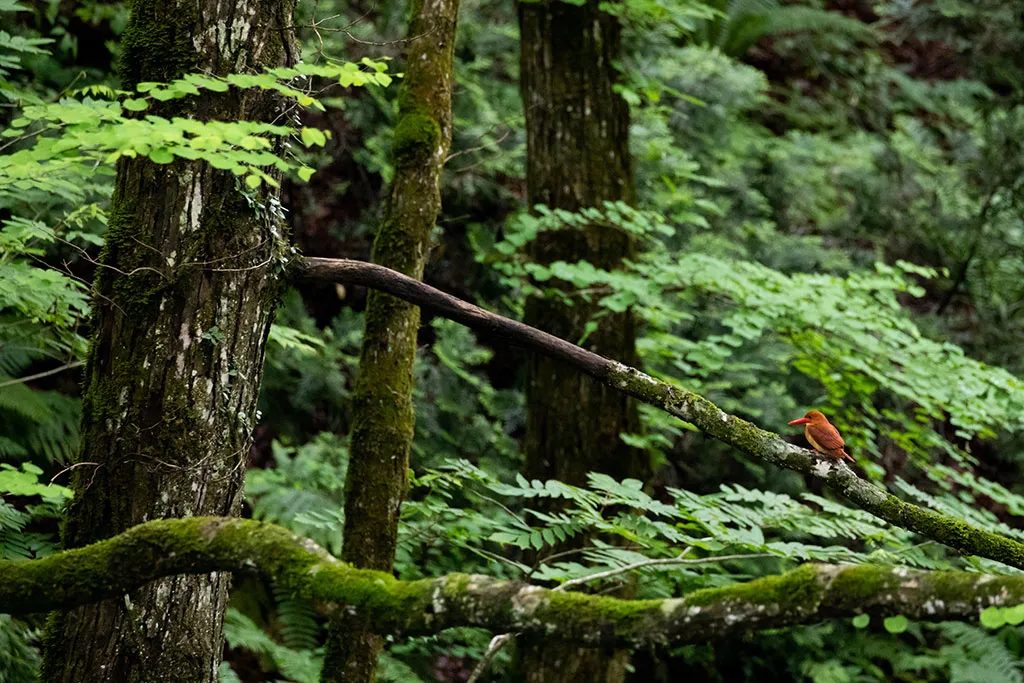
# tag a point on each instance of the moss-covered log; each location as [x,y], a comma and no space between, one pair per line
[686,405]
[199,545]
[382,421]
[184,302]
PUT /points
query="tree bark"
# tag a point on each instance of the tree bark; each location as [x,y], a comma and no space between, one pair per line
[808,594]
[185,296]
[383,419]
[578,156]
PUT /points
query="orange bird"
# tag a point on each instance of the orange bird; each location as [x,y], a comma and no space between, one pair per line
[822,435]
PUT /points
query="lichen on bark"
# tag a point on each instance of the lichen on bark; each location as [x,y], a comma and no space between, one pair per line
[167,406]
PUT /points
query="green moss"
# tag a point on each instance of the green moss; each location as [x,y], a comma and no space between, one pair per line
[948,530]
[856,586]
[157,43]
[400,241]
[796,589]
[394,605]
[131,281]
[456,586]
[691,407]
[416,137]
[956,585]
[596,618]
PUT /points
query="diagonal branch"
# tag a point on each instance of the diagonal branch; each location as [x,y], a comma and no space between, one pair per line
[685,405]
[198,545]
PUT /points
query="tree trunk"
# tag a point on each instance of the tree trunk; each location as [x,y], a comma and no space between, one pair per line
[577,156]
[185,297]
[383,418]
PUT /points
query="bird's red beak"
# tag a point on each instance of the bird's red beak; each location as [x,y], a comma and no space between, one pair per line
[801,421]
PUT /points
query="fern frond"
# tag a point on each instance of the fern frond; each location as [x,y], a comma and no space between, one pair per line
[297,620]
[985,659]
[300,666]
[19,655]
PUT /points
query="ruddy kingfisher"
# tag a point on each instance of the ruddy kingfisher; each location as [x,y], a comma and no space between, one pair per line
[822,435]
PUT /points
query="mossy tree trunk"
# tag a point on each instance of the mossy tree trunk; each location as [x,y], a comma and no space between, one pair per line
[577,157]
[184,301]
[383,417]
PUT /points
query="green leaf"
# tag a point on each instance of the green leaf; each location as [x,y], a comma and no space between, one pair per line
[861,621]
[135,105]
[161,155]
[305,173]
[313,136]
[252,180]
[993,617]
[1014,615]
[897,624]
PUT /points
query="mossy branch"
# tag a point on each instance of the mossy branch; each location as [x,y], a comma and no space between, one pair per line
[686,405]
[199,545]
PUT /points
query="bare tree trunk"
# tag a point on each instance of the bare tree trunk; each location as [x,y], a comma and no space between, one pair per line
[383,419]
[184,303]
[577,156]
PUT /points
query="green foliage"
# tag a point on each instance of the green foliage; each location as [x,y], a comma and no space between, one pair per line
[738,24]
[299,666]
[978,657]
[306,383]
[834,223]
[41,424]
[70,133]
[19,656]
[626,526]
[458,413]
[19,539]
[304,491]
[896,624]
[296,620]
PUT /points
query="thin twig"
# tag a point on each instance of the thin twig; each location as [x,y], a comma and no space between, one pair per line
[492,143]
[241,270]
[961,276]
[40,375]
[71,467]
[497,642]
[655,563]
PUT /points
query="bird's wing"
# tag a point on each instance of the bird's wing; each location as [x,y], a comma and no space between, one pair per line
[825,436]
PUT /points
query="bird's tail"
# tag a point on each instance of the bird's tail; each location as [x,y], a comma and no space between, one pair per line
[846,456]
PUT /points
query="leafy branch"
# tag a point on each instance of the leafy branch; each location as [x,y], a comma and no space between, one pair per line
[72,132]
